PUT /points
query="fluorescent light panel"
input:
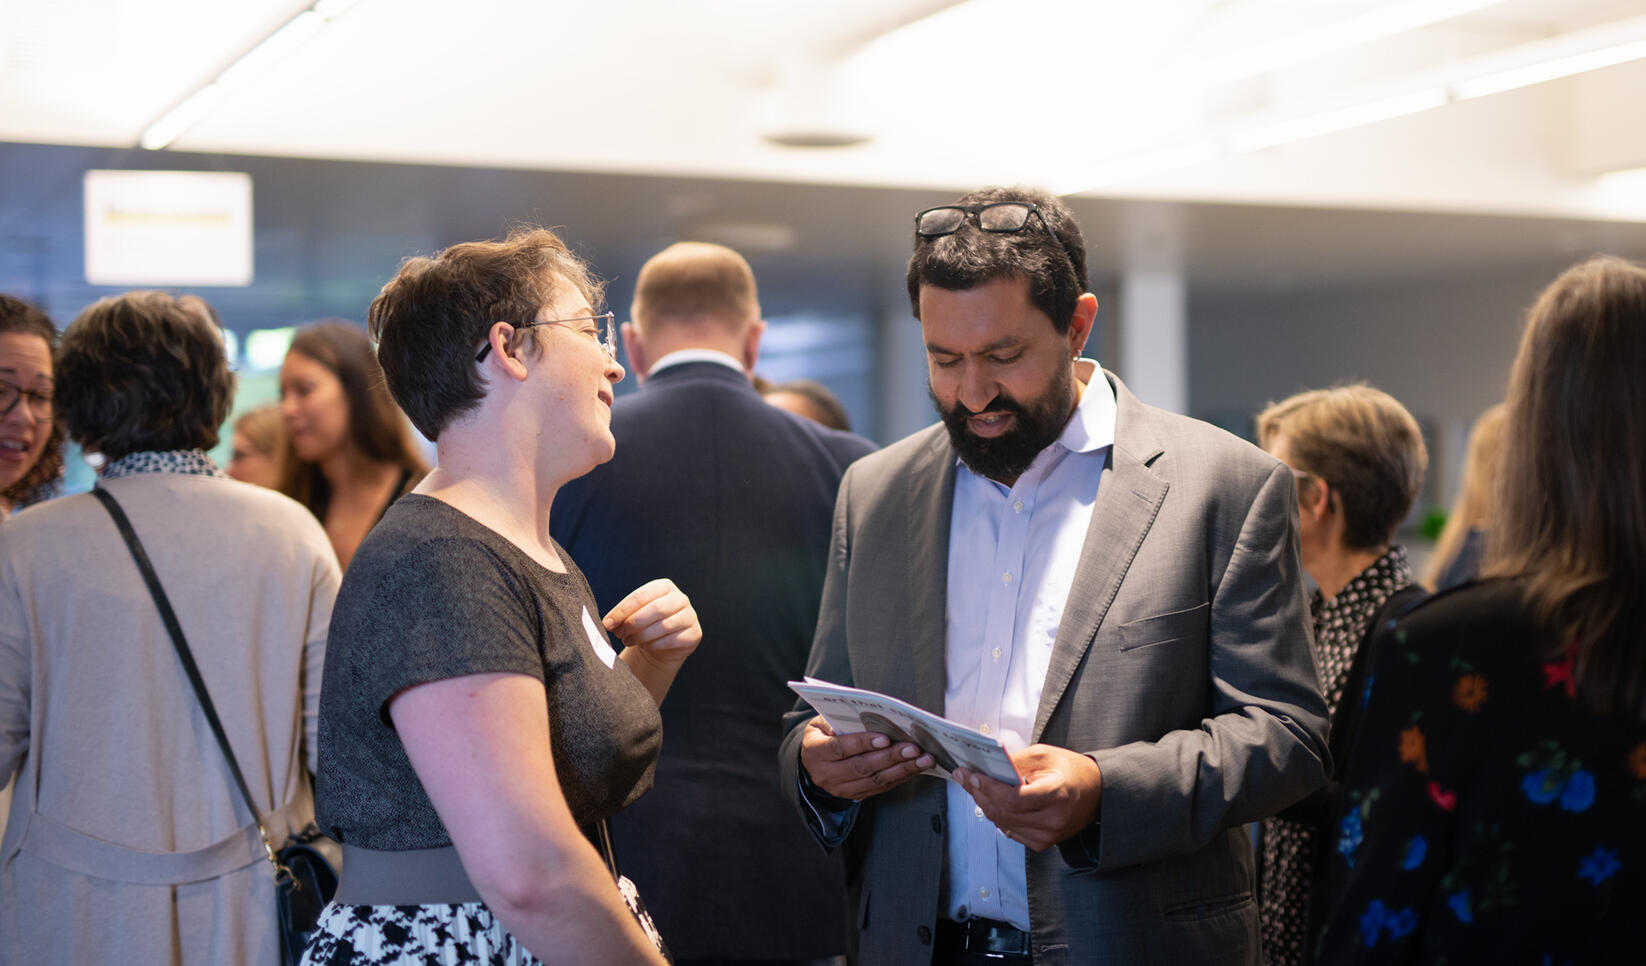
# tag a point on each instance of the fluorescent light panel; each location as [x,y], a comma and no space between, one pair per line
[1314,125]
[274,48]
[1386,20]
[181,118]
[1549,70]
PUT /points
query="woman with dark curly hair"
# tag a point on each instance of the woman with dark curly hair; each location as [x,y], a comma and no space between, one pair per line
[349,453]
[128,841]
[31,441]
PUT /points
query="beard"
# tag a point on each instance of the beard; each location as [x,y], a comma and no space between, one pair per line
[1036,424]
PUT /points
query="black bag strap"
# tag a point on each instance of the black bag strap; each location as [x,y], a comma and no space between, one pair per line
[604,833]
[186,656]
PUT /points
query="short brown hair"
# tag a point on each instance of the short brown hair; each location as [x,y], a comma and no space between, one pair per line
[432,318]
[1364,444]
[1571,512]
[695,283]
[144,371]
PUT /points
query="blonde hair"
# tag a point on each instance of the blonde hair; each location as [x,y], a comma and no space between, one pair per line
[1571,510]
[1474,497]
[695,283]
[1363,444]
[263,429]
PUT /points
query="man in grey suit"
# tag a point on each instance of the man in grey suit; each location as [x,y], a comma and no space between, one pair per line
[1109,589]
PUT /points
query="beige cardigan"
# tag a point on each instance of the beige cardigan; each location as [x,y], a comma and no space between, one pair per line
[126,841]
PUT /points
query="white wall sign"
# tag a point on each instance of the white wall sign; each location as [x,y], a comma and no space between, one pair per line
[168,228]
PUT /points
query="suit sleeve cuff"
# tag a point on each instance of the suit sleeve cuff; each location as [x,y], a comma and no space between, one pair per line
[1082,849]
[829,817]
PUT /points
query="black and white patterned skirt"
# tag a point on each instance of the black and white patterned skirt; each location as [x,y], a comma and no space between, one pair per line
[435,935]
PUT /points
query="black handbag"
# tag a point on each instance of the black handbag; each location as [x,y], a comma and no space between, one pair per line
[304,880]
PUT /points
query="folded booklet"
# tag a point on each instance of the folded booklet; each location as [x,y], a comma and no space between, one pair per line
[952,745]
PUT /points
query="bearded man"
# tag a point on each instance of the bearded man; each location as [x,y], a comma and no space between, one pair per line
[1110,590]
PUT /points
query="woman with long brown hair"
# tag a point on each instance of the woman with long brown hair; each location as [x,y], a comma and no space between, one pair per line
[349,452]
[1496,795]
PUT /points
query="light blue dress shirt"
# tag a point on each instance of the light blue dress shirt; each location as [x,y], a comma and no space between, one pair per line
[1012,557]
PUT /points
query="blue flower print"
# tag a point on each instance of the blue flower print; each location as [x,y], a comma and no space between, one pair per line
[1601,865]
[1349,835]
[1579,792]
[1372,922]
[1416,849]
[1541,786]
[1402,923]
[1459,901]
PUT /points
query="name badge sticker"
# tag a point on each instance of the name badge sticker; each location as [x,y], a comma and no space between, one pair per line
[597,639]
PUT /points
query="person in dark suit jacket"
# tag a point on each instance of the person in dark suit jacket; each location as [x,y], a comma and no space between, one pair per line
[732,498]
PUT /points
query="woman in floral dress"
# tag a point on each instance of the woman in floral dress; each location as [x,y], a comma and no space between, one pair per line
[1495,799]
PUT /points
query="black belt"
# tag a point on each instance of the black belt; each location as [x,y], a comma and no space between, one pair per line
[988,938]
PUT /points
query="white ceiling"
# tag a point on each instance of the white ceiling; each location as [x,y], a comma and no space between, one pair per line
[1101,99]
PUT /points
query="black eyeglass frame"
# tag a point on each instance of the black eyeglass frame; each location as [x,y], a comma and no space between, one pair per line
[975,214]
[606,336]
[35,397]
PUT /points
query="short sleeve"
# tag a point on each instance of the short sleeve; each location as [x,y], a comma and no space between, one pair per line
[448,608]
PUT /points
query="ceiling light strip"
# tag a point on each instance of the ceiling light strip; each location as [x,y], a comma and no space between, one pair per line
[272,49]
[1548,70]
[1330,122]
[1378,23]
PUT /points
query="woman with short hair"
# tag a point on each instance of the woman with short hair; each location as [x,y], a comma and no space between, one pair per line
[1359,459]
[477,726]
[1495,801]
[128,840]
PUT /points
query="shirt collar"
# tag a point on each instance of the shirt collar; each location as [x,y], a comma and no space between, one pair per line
[683,356]
[1092,425]
[190,462]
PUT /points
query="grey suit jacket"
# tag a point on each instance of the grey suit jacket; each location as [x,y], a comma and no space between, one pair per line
[1183,666]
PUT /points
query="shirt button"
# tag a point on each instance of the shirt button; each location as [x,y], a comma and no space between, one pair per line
[977,810]
[1006,577]
[984,892]
[925,935]
[1018,506]
[995,653]
[985,728]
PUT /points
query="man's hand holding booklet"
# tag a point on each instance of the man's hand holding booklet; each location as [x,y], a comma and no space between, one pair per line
[951,745]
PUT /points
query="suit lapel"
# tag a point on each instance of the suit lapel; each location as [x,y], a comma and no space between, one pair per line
[1129,497]
[930,506]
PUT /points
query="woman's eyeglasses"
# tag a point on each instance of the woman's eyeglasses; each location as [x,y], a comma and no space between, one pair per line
[40,403]
[604,332]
